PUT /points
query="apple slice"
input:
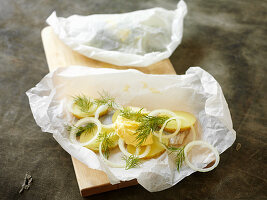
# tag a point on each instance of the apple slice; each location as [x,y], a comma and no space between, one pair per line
[186,123]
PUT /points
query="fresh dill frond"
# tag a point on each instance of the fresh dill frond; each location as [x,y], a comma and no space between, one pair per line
[180,157]
[179,151]
[88,128]
[131,161]
[68,127]
[107,142]
[148,125]
[106,99]
[128,113]
[83,102]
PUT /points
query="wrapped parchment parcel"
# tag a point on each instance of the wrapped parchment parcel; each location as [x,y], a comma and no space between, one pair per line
[138,38]
[196,92]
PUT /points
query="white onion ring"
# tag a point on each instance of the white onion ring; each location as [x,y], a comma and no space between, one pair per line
[108,125]
[199,142]
[69,106]
[194,132]
[168,112]
[163,126]
[174,116]
[100,109]
[137,151]
[158,111]
[82,122]
[109,163]
[125,152]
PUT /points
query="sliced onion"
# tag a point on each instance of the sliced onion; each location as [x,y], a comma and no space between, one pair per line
[108,125]
[174,117]
[100,109]
[137,151]
[178,121]
[194,132]
[69,106]
[199,142]
[81,122]
[158,111]
[168,112]
[109,163]
[125,152]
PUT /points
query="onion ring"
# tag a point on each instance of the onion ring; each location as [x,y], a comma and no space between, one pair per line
[83,122]
[158,111]
[174,117]
[194,132]
[163,126]
[108,125]
[137,151]
[100,109]
[109,163]
[125,152]
[199,142]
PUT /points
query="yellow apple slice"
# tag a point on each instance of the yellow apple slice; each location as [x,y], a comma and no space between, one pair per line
[156,148]
[95,145]
[187,120]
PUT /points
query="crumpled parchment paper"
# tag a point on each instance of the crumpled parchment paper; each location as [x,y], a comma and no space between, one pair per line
[196,92]
[138,38]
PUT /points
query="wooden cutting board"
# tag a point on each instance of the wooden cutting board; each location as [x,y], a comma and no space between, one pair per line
[90,181]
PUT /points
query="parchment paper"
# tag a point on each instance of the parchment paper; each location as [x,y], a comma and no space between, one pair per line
[138,38]
[196,92]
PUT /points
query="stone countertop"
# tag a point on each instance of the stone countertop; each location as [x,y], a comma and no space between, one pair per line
[226,38]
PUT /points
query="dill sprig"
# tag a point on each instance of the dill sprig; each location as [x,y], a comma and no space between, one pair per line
[106,99]
[179,151]
[131,161]
[148,125]
[107,142]
[128,113]
[88,128]
[83,102]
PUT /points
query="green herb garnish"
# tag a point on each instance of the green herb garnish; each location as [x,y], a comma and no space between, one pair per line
[128,113]
[107,143]
[131,161]
[179,151]
[83,102]
[106,99]
[148,125]
[80,129]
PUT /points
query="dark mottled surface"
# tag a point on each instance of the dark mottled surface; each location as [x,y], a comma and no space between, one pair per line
[226,38]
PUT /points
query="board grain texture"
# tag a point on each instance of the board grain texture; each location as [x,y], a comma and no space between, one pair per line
[90,181]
